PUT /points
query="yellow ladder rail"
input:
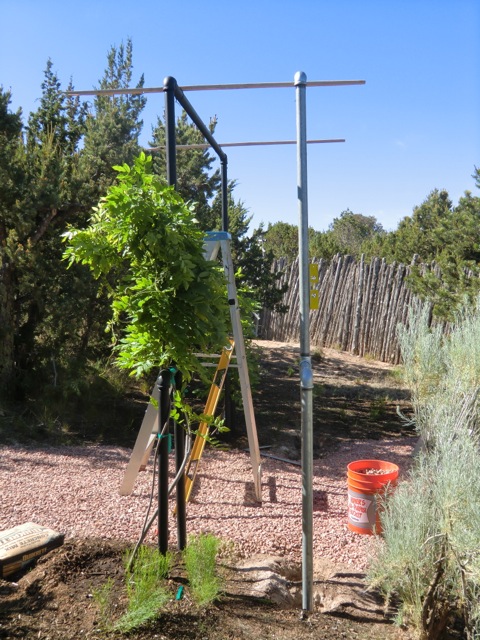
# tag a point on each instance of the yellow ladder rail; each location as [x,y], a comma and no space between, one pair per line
[203,429]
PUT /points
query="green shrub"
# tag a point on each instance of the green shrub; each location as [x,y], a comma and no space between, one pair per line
[103,598]
[146,591]
[200,558]
[438,363]
[422,354]
[429,560]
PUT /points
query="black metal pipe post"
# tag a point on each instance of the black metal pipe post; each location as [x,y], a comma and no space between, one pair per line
[172,93]
[170,86]
[164,417]
[179,435]
[224,195]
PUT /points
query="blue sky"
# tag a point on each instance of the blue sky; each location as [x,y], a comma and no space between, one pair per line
[414,126]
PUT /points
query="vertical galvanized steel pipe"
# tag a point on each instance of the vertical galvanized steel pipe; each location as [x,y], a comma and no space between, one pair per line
[306,377]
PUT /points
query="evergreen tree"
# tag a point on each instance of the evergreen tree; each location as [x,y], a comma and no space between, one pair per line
[323,244]
[281,238]
[11,250]
[420,235]
[200,185]
[351,230]
[113,127]
[251,257]
[442,242]
[197,182]
[49,311]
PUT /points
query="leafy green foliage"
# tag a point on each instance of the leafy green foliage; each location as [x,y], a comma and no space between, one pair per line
[143,242]
[183,413]
[53,319]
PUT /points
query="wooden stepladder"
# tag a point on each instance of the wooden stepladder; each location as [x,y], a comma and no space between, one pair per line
[220,241]
[215,242]
[143,445]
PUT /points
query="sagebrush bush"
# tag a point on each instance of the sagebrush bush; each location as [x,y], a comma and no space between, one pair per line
[422,354]
[429,559]
[437,363]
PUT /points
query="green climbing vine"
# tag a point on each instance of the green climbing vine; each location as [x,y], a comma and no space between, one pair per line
[144,244]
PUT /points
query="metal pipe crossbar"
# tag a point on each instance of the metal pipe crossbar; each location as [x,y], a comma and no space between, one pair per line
[245,144]
[214,87]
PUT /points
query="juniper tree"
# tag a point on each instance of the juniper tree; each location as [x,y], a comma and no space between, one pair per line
[11,190]
[113,125]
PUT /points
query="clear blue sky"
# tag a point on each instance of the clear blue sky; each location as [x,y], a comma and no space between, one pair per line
[414,126]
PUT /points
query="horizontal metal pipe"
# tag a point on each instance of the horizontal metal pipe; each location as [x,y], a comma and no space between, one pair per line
[245,144]
[214,87]
[270,85]
[115,92]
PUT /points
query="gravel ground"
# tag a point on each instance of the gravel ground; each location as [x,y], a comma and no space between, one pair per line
[74,490]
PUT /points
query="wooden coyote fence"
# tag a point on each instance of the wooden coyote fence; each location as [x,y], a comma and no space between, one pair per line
[360,306]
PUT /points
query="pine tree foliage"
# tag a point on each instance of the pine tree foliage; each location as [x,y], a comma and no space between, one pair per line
[55,173]
[197,182]
[348,234]
[49,324]
[12,184]
[113,126]
[281,238]
[441,242]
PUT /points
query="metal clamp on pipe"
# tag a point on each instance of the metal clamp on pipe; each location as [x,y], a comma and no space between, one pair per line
[306,375]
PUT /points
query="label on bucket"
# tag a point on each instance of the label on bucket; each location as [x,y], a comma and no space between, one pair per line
[361,509]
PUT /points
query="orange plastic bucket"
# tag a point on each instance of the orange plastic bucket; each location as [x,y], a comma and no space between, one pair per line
[366,480]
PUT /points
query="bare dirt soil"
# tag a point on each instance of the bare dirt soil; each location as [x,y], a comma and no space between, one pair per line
[355,411]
